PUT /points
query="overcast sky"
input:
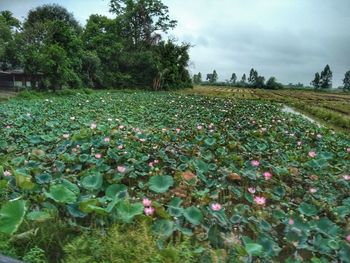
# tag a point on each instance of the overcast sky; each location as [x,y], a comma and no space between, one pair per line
[288,39]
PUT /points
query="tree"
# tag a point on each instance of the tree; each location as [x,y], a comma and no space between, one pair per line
[197,78]
[273,84]
[142,20]
[172,63]
[317,81]
[253,77]
[212,77]
[56,67]
[233,78]
[10,41]
[51,12]
[244,79]
[326,78]
[260,82]
[346,81]
[52,28]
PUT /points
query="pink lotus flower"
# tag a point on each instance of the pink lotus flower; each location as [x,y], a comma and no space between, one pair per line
[7,173]
[121,169]
[251,190]
[319,136]
[216,207]
[107,139]
[312,154]
[267,176]
[263,129]
[150,164]
[291,221]
[98,156]
[72,118]
[121,127]
[177,130]
[65,136]
[142,140]
[146,202]
[156,161]
[299,143]
[312,190]
[348,238]
[346,177]
[199,127]
[255,163]
[260,200]
[164,130]
[8,127]
[348,150]
[120,147]
[93,126]
[149,211]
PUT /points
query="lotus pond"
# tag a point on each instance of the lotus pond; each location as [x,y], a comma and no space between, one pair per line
[237,175]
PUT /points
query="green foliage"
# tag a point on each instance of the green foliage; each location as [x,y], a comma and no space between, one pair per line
[317,81]
[141,20]
[213,77]
[160,183]
[346,81]
[127,51]
[35,255]
[273,84]
[11,216]
[6,248]
[197,78]
[326,78]
[233,78]
[323,80]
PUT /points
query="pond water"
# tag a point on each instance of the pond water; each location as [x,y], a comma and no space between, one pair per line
[293,111]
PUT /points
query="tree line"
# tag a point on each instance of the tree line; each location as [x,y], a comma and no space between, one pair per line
[322,80]
[125,51]
[254,80]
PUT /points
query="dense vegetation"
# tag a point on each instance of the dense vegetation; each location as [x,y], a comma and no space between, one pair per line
[332,109]
[321,81]
[243,180]
[127,51]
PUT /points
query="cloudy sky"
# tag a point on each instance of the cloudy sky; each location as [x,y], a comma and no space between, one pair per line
[288,39]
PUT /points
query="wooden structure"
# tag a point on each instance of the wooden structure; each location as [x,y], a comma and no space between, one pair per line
[14,79]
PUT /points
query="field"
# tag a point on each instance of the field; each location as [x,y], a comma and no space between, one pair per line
[331,109]
[187,178]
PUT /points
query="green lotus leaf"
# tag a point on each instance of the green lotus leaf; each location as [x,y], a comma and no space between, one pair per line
[163,228]
[39,216]
[193,215]
[61,194]
[254,249]
[11,216]
[308,209]
[92,181]
[126,211]
[24,181]
[116,189]
[160,183]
